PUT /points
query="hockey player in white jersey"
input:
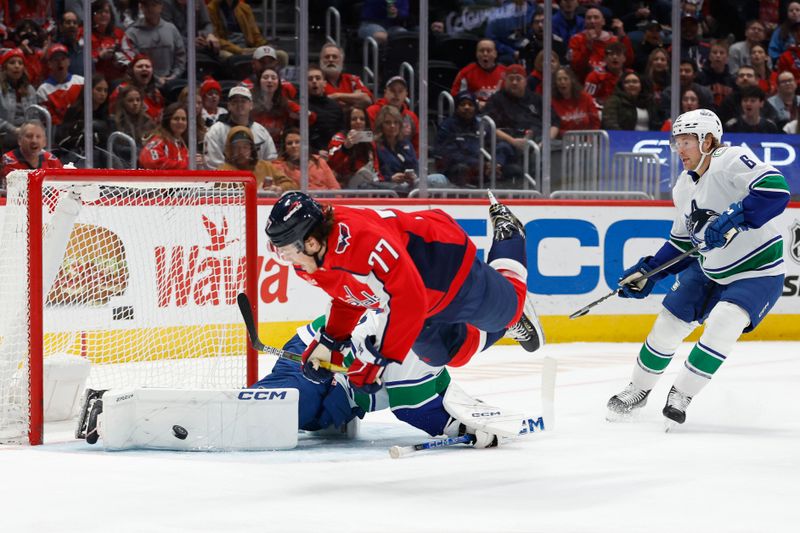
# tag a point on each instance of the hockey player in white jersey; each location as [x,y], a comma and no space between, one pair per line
[726,201]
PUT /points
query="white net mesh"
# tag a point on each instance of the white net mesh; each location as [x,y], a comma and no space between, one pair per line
[145,280]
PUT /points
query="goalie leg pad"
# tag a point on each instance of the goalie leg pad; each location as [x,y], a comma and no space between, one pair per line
[478,416]
[199,420]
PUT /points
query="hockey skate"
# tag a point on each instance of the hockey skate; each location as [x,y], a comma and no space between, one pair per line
[504,222]
[528,330]
[621,405]
[91,409]
[675,409]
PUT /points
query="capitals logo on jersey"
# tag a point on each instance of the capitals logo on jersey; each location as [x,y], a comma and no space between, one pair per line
[344,238]
[369,300]
[696,222]
[794,247]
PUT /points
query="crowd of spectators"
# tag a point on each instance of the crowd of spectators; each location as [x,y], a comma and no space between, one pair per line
[610,65]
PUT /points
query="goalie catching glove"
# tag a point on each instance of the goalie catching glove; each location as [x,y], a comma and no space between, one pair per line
[322,348]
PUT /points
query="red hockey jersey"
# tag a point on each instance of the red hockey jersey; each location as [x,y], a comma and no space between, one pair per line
[411,265]
[14,160]
[481,83]
[348,83]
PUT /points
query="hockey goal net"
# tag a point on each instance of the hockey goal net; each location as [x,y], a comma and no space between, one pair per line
[136,272]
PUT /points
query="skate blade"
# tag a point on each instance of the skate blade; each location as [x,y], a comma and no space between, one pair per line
[617,417]
[669,425]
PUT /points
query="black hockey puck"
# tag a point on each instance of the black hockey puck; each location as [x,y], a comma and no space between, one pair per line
[179,432]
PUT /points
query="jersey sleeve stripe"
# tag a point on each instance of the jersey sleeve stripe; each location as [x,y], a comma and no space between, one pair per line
[772,182]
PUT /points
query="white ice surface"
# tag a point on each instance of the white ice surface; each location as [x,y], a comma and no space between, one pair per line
[733,467]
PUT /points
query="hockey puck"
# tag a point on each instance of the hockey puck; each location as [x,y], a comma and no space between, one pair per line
[179,432]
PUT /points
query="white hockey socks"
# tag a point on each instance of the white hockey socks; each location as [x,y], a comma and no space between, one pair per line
[658,349]
[723,327]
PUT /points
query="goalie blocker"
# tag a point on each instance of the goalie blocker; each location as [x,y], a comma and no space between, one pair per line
[190,420]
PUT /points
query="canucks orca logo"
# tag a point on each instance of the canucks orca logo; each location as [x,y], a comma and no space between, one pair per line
[794,247]
[344,238]
[696,222]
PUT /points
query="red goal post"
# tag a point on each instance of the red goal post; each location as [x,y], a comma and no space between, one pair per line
[142,281]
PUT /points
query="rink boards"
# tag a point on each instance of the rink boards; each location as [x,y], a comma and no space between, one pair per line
[576,253]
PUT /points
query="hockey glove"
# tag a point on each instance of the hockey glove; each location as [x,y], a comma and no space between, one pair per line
[322,348]
[365,376]
[629,288]
[731,219]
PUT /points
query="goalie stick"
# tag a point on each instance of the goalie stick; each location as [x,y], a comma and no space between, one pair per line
[250,324]
[529,425]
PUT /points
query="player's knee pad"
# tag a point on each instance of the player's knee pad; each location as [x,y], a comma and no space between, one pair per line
[668,332]
[724,326]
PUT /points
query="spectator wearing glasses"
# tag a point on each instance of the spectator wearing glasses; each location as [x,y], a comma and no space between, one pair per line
[785,101]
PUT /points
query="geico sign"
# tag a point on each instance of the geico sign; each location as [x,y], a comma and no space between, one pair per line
[779,154]
[607,251]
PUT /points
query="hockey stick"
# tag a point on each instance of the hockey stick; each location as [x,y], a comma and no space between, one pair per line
[584,310]
[529,425]
[250,324]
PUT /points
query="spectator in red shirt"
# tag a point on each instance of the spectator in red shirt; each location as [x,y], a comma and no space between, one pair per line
[62,88]
[30,38]
[30,153]
[537,73]
[112,51]
[574,107]
[587,48]
[166,149]
[140,74]
[352,153]
[271,108]
[600,83]
[347,89]
[767,78]
[790,59]
[482,78]
[267,57]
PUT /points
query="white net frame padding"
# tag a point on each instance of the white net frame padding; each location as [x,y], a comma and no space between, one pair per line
[136,271]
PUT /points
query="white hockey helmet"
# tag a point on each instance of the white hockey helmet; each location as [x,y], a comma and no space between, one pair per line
[699,122]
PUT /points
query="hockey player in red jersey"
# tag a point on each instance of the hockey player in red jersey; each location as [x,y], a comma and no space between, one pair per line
[420,268]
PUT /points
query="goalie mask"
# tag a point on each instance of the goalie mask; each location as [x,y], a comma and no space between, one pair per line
[292,219]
